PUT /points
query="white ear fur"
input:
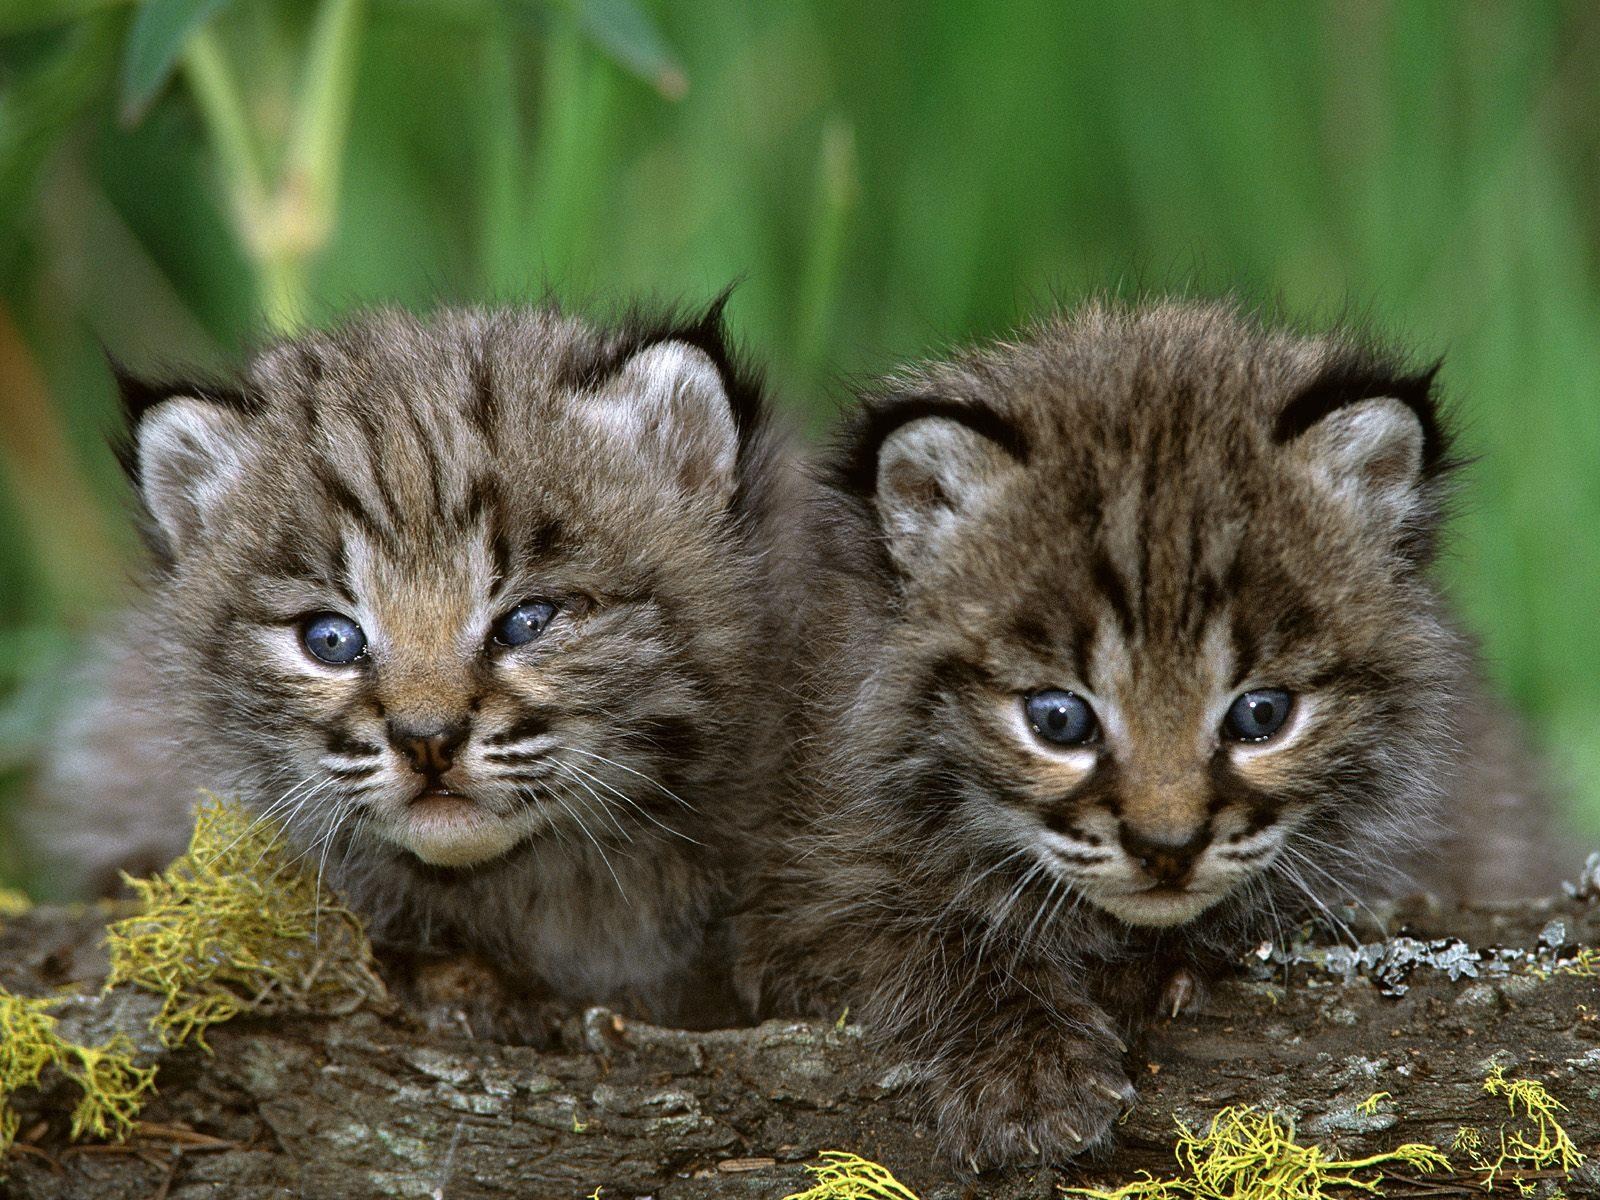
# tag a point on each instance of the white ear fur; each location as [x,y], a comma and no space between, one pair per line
[931,474]
[1369,455]
[190,454]
[669,402]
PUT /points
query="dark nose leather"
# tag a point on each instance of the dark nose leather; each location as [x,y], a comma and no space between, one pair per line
[1167,862]
[429,749]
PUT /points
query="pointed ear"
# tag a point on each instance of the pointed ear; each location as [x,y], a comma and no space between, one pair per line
[1372,435]
[933,472]
[1370,455]
[669,402]
[188,456]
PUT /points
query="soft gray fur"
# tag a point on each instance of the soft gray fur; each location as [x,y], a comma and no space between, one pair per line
[425,476]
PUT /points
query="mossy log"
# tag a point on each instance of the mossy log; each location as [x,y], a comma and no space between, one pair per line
[370,1104]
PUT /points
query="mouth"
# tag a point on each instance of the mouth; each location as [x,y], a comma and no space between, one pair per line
[1161,890]
[448,828]
[441,797]
[1159,905]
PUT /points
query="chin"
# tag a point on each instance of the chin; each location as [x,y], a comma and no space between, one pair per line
[460,834]
[1159,909]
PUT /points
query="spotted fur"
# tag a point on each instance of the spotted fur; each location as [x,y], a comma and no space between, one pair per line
[424,476]
[1156,508]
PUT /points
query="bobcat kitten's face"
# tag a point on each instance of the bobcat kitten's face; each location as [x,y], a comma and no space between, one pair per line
[1165,645]
[438,588]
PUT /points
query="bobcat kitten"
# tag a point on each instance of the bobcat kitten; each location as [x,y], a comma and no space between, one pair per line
[478,607]
[1128,653]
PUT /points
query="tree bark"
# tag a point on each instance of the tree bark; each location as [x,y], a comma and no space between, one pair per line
[370,1104]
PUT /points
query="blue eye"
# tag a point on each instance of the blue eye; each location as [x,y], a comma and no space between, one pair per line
[1256,716]
[1061,718]
[524,623]
[334,639]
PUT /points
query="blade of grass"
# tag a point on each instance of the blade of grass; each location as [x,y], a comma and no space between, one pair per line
[837,190]
[322,120]
[308,200]
[571,164]
[227,123]
[503,266]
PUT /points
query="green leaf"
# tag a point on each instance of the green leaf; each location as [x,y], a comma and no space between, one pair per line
[159,34]
[629,35]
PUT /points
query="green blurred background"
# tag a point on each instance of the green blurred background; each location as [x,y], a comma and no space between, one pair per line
[179,176]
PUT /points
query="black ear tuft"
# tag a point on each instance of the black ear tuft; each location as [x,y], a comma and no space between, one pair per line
[705,330]
[708,333]
[925,466]
[588,365]
[140,394]
[1357,376]
[712,321]
[862,441]
[642,327]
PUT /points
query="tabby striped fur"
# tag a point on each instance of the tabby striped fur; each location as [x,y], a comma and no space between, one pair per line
[1156,508]
[426,475]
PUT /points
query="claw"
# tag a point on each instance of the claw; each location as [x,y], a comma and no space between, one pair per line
[1104,1028]
[972,1163]
[1120,1095]
[1071,1132]
[1180,992]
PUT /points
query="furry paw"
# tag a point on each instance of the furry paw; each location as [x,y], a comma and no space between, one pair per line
[465,996]
[1030,1108]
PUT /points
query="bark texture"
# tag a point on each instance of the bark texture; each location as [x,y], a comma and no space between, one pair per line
[370,1104]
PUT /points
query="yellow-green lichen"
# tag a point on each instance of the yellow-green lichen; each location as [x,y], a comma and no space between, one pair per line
[1467,1140]
[13,903]
[844,1176]
[1369,1106]
[1541,1145]
[111,1084]
[1585,964]
[236,925]
[1246,1154]
[1249,1155]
